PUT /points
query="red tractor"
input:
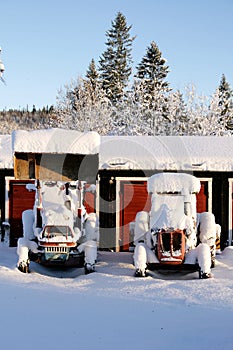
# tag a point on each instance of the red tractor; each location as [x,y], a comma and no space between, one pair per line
[172,235]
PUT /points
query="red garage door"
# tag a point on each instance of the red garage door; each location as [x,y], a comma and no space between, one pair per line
[20,199]
[89,201]
[202,198]
[134,198]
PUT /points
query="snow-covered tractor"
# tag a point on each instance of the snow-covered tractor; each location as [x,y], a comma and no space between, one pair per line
[61,228]
[173,235]
[58,231]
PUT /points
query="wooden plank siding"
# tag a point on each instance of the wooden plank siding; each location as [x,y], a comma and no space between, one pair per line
[56,167]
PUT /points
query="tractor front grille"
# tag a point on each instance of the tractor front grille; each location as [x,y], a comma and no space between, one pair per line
[56,249]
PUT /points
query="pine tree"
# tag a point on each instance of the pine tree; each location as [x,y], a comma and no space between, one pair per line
[92,85]
[115,62]
[92,75]
[152,71]
[226,102]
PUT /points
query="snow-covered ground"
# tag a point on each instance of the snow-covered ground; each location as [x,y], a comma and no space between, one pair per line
[111,309]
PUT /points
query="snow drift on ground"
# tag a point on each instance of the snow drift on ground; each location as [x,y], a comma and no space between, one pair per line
[111,309]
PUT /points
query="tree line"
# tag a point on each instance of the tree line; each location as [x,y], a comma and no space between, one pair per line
[109,100]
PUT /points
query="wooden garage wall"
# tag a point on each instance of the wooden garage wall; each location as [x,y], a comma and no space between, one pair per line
[56,167]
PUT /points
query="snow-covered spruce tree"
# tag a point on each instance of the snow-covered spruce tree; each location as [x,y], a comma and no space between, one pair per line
[92,75]
[92,86]
[115,63]
[150,76]
[152,72]
[226,103]
[217,124]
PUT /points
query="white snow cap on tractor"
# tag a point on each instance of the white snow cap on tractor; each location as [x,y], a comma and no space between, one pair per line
[173,182]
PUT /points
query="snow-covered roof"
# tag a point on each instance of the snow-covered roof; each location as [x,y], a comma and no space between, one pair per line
[54,140]
[6,159]
[181,153]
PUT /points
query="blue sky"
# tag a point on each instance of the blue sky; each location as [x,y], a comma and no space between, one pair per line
[47,43]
